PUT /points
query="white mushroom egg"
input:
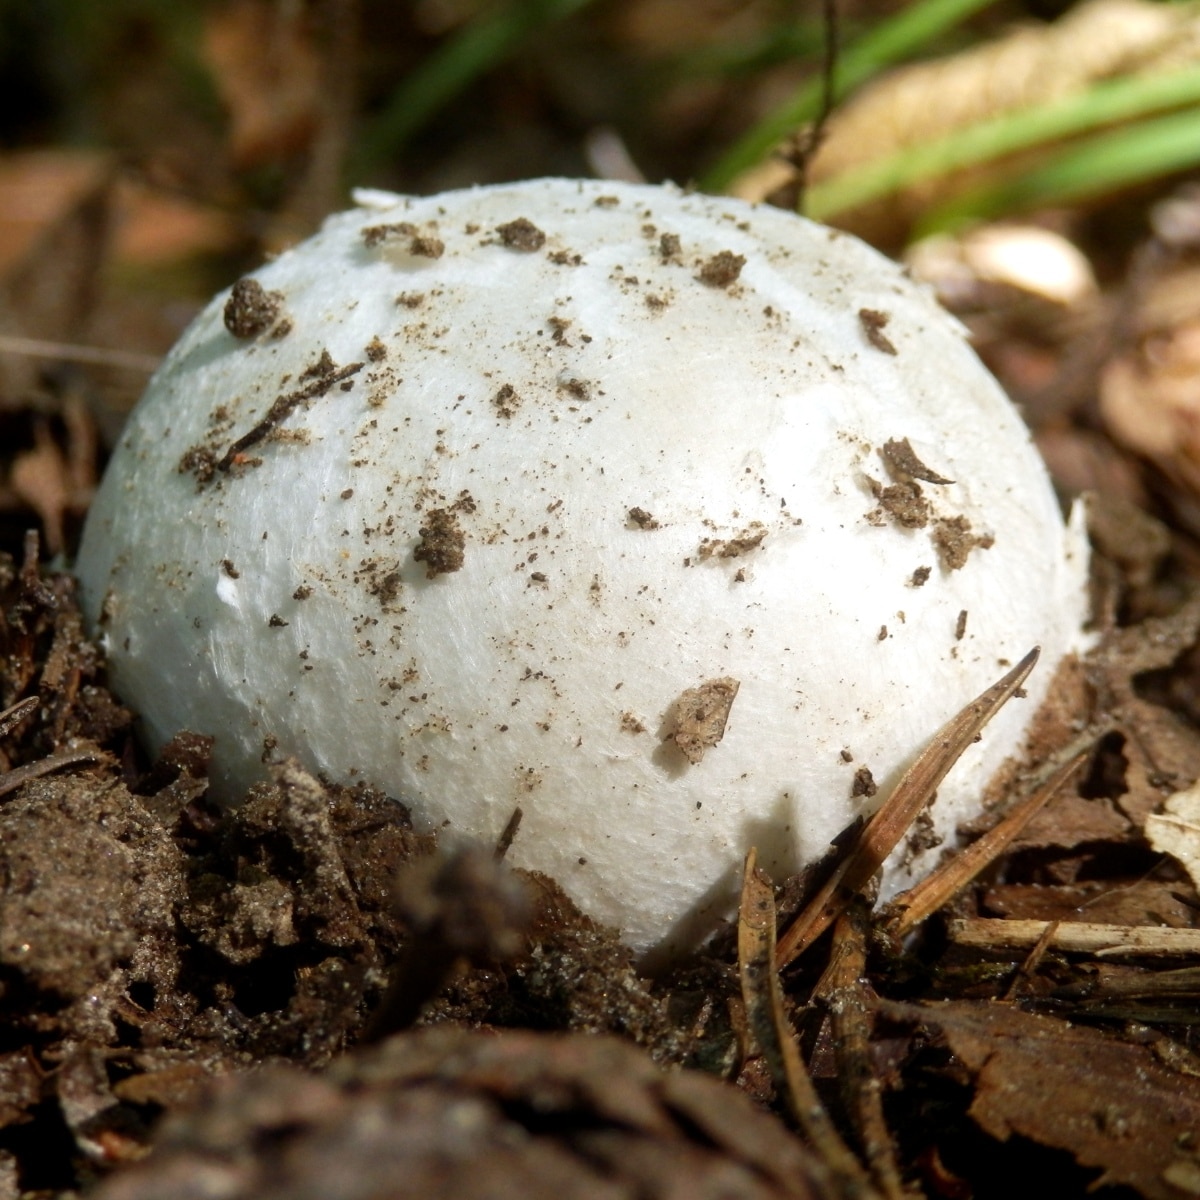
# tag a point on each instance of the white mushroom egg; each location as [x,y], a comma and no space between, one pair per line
[681,524]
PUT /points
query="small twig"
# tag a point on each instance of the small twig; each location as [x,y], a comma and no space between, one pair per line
[11,780]
[771,1030]
[805,145]
[1076,937]
[505,840]
[282,408]
[1183,982]
[910,908]
[851,1008]
[1032,960]
[10,718]
[885,829]
[69,352]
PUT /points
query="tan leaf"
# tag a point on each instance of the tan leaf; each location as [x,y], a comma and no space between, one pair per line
[1176,830]
[269,75]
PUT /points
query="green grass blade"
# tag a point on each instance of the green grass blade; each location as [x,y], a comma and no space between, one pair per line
[1118,158]
[908,30]
[1103,104]
[474,50]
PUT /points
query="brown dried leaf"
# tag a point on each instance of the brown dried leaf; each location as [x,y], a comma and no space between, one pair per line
[269,75]
[156,226]
[1073,821]
[1148,387]
[1115,902]
[41,477]
[54,216]
[700,716]
[1162,752]
[1176,830]
[1113,1105]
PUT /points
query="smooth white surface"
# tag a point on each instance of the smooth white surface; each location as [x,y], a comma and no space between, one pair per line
[711,408]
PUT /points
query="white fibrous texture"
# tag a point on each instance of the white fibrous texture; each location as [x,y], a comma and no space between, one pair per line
[679,524]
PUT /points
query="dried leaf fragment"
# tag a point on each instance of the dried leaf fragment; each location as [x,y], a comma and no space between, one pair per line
[1176,830]
[1108,1102]
[700,716]
[266,65]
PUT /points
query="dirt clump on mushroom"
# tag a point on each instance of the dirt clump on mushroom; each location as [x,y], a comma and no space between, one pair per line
[442,544]
[721,270]
[874,322]
[521,234]
[251,309]
[903,464]
[903,503]
[953,539]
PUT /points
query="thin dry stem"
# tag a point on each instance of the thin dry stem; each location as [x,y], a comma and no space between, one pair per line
[10,718]
[851,1005]
[1076,937]
[772,1031]
[910,908]
[885,829]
